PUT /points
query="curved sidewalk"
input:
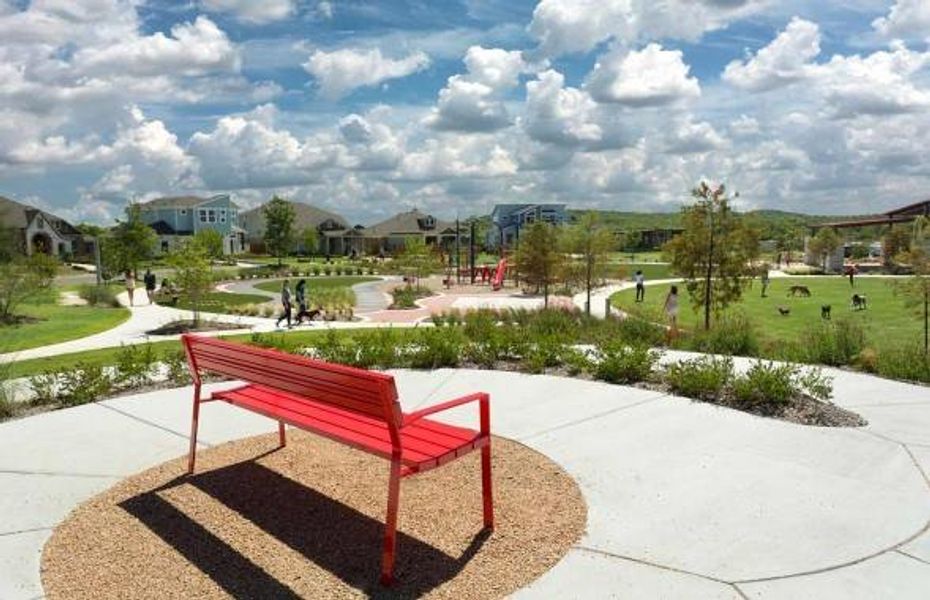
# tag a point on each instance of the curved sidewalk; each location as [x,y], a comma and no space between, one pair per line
[685,500]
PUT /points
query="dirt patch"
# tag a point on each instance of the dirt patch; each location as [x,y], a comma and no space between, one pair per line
[178,327]
[306,522]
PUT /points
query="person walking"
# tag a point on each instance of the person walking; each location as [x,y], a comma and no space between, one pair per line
[671,312]
[149,280]
[851,271]
[130,285]
[765,281]
[285,304]
[640,286]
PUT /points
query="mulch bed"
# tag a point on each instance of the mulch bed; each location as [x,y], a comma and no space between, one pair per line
[177,327]
[306,522]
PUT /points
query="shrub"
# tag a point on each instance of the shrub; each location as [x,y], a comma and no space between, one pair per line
[635,330]
[175,362]
[135,365]
[359,271]
[703,378]
[327,270]
[768,383]
[733,334]
[316,270]
[84,383]
[436,348]
[404,297]
[836,342]
[906,361]
[7,408]
[576,361]
[546,352]
[337,348]
[378,349]
[44,388]
[98,295]
[622,363]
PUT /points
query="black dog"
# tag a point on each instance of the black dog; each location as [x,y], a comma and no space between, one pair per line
[784,311]
[859,302]
[825,312]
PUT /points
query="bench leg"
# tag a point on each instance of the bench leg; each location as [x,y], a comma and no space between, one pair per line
[486,494]
[390,526]
[282,440]
[192,455]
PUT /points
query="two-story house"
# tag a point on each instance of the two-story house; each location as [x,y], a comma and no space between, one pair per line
[509,219]
[177,218]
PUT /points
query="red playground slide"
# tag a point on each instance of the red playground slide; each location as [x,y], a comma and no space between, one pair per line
[498,282]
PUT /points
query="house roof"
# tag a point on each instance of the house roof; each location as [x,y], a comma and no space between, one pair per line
[306,216]
[18,216]
[406,223]
[178,202]
[162,228]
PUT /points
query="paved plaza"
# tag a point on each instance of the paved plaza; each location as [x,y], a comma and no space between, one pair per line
[685,500]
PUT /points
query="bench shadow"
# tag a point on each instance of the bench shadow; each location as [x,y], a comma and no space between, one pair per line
[328,533]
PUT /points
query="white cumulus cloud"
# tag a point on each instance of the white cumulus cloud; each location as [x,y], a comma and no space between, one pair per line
[906,19]
[252,11]
[648,77]
[785,60]
[341,71]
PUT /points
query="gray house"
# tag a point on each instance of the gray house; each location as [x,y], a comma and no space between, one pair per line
[508,219]
[305,217]
[180,217]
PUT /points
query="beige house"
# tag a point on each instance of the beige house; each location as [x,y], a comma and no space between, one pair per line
[42,232]
[305,217]
[390,235]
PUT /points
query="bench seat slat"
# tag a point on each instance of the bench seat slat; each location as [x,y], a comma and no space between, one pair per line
[424,444]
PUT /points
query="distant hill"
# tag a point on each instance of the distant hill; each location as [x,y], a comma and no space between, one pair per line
[769,221]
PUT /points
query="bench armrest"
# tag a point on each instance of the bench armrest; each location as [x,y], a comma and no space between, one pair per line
[484,407]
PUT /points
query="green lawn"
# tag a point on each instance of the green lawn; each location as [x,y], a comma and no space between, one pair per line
[888,321]
[315,283]
[651,271]
[217,302]
[57,323]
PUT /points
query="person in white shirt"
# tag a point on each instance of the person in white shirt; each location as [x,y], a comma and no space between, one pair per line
[640,286]
[671,311]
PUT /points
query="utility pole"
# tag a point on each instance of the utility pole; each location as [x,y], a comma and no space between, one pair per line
[97,260]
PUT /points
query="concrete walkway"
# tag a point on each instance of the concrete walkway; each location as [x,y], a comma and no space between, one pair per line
[686,500]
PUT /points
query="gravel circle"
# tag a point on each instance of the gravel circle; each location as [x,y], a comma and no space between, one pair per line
[307,522]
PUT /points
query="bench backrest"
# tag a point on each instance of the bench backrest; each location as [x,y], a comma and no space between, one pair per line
[368,393]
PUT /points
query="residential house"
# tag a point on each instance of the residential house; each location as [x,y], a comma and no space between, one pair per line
[40,231]
[508,219]
[305,217]
[389,236]
[180,217]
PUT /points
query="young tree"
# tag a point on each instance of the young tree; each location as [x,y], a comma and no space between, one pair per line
[418,259]
[311,240]
[211,241]
[23,278]
[824,244]
[193,273]
[789,238]
[916,289]
[279,227]
[129,243]
[714,252]
[895,242]
[538,257]
[592,242]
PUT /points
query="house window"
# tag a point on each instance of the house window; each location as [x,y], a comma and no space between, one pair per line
[203,215]
[183,211]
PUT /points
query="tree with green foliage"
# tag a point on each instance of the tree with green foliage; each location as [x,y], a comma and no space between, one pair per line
[279,227]
[714,252]
[23,278]
[211,241]
[591,242]
[916,288]
[789,238]
[310,238]
[538,257]
[193,273]
[895,242]
[129,243]
[418,259]
[8,245]
[824,244]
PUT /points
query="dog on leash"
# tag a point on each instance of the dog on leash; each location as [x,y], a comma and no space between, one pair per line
[825,312]
[859,302]
[784,311]
[799,290]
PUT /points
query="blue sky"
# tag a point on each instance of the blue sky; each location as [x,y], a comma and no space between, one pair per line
[369,108]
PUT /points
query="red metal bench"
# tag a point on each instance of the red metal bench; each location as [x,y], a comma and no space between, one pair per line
[353,406]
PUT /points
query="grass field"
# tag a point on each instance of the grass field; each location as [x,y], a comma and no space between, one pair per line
[887,321]
[315,283]
[57,323]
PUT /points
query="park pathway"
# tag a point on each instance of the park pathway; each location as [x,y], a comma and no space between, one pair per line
[685,499]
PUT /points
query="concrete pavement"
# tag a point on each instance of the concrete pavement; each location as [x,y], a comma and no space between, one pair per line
[686,500]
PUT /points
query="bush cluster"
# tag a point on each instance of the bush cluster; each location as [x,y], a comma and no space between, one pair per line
[98,295]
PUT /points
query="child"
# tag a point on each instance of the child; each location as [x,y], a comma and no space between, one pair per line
[671,311]
[130,285]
